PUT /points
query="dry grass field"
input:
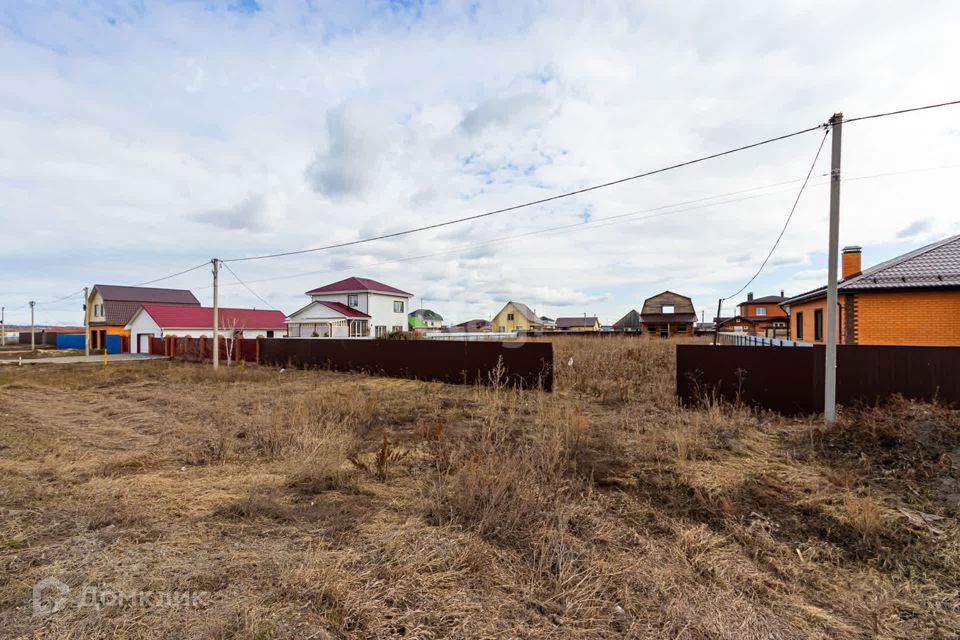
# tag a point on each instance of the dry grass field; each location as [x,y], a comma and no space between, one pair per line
[323,505]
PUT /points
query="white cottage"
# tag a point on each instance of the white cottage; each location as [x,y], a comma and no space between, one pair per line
[161,320]
[353,307]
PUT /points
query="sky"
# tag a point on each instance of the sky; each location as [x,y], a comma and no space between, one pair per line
[141,139]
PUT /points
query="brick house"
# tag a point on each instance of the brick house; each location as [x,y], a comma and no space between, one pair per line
[668,314]
[759,317]
[913,299]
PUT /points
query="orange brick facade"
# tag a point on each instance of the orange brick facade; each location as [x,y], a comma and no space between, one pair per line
[750,309]
[920,318]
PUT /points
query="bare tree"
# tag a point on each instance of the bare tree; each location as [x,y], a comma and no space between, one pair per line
[235,330]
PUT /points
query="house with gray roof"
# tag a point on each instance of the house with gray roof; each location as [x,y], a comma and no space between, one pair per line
[913,299]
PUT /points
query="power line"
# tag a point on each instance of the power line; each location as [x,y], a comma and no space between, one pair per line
[592,224]
[532,202]
[599,222]
[247,287]
[787,222]
[173,275]
[900,111]
[66,297]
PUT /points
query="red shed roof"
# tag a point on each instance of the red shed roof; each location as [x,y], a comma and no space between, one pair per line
[170,316]
[355,285]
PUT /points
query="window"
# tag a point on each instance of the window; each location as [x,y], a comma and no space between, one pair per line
[269,334]
[681,328]
[799,325]
[398,306]
[818,325]
[353,300]
[509,317]
[397,328]
[668,308]
[761,311]
[380,331]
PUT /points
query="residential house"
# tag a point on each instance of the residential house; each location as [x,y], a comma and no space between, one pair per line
[161,320]
[913,299]
[471,326]
[668,314]
[548,323]
[629,323]
[759,317]
[579,323]
[425,319]
[110,308]
[516,316]
[353,307]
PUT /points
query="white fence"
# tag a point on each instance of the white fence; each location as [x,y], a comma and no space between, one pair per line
[743,340]
[471,337]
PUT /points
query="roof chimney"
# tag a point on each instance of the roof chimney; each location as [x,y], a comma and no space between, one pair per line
[781,293]
[750,297]
[851,261]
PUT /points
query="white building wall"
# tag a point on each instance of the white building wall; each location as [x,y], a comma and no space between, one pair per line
[141,324]
[208,333]
[363,302]
[382,313]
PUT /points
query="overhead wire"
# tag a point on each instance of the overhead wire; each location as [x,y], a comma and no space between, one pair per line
[531,203]
[247,287]
[786,223]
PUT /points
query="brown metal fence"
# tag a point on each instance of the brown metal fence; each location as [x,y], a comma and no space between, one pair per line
[525,364]
[790,379]
[243,349]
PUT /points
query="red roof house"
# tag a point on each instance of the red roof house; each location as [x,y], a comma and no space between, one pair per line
[159,320]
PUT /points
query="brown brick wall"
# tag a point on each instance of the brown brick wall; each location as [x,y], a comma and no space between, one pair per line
[930,318]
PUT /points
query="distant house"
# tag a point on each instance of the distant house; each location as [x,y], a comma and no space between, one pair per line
[759,317]
[630,322]
[471,326]
[516,316]
[548,323]
[353,307]
[110,308]
[913,299]
[161,320]
[578,323]
[425,319]
[668,314]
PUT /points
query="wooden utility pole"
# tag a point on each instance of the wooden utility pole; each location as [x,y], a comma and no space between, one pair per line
[216,313]
[33,345]
[86,322]
[3,326]
[833,249]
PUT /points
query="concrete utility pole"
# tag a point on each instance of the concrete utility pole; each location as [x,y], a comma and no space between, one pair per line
[33,346]
[830,371]
[216,313]
[86,322]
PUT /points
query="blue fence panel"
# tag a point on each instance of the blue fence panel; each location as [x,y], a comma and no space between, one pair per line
[70,340]
[113,344]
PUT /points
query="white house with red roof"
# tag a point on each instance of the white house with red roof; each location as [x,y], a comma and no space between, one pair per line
[351,308]
[160,320]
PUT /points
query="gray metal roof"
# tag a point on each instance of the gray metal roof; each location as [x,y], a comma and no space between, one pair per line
[935,265]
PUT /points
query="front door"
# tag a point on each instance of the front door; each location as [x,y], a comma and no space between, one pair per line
[143,345]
